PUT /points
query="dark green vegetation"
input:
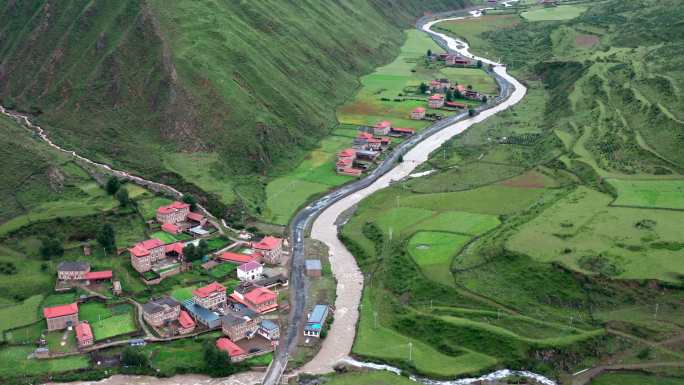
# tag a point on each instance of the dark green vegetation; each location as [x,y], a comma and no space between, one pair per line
[582,262]
[201,96]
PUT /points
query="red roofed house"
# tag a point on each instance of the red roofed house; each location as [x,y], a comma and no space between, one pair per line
[349,154]
[171,228]
[174,249]
[235,352]
[418,113]
[436,101]
[61,317]
[403,131]
[239,258]
[343,164]
[104,275]
[382,128]
[259,299]
[271,248]
[197,217]
[460,88]
[211,296]
[455,104]
[84,334]
[187,324]
[145,253]
[350,171]
[173,213]
[456,60]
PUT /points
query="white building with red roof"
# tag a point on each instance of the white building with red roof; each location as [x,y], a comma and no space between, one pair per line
[271,248]
[250,271]
[382,128]
[146,253]
[259,299]
[211,296]
[198,218]
[61,317]
[173,213]
[84,334]
[436,101]
[417,114]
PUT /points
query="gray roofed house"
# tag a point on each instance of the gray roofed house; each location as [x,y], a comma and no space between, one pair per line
[269,330]
[161,311]
[313,267]
[240,323]
[269,282]
[73,266]
[157,305]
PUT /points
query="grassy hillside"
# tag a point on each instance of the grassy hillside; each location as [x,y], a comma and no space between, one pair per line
[146,84]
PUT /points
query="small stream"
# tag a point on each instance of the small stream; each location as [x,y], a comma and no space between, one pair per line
[498,375]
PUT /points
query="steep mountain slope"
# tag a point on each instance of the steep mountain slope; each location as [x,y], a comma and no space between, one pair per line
[254,82]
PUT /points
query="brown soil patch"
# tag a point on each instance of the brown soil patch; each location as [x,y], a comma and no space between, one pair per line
[359,108]
[532,179]
[586,41]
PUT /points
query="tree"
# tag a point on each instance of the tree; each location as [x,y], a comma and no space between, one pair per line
[450,96]
[122,197]
[458,94]
[217,361]
[484,99]
[191,200]
[107,238]
[471,112]
[112,185]
[51,247]
[423,88]
[134,357]
[470,86]
[202,249]
[429,53]
[401,158]
[190,253]
[479,64]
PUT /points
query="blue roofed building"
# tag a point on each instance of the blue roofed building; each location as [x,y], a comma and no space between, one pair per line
[316,321]
[203,316]
[269,330]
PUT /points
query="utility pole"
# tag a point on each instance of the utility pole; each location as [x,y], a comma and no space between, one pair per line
[410,344]
[655,315]
[375,319]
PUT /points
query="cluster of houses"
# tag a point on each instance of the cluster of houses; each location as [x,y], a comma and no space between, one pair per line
[240,316]
[367,146]
[77,273]
[452,59]
[66,317]
[438,89]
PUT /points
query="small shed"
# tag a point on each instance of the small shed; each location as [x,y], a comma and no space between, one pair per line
[313,267]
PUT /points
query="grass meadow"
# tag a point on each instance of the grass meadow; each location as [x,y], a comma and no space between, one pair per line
[586,234]
[433,252]
[559,13]
[24,313]
[16,364]
[108,322]
[471,30]
[662,194]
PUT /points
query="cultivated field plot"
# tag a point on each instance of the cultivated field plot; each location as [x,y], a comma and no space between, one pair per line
[563,12]
[474,77]
[433,251]
[583,232]
[108,322]
[21,314]
[459,222]
[663,194]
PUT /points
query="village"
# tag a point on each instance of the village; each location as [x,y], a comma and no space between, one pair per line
[248,314]
[440,95]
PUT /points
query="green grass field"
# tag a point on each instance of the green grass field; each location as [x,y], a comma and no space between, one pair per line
[664,194]
[223,270]
[559,13]
[433,252]
[25,313]
[148,207]
[369,378]
[459,222]
[163,236]
[627,378]
[201,168]
[471,30]
[583,232]
[108,322]
[183,293]
[15,363]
